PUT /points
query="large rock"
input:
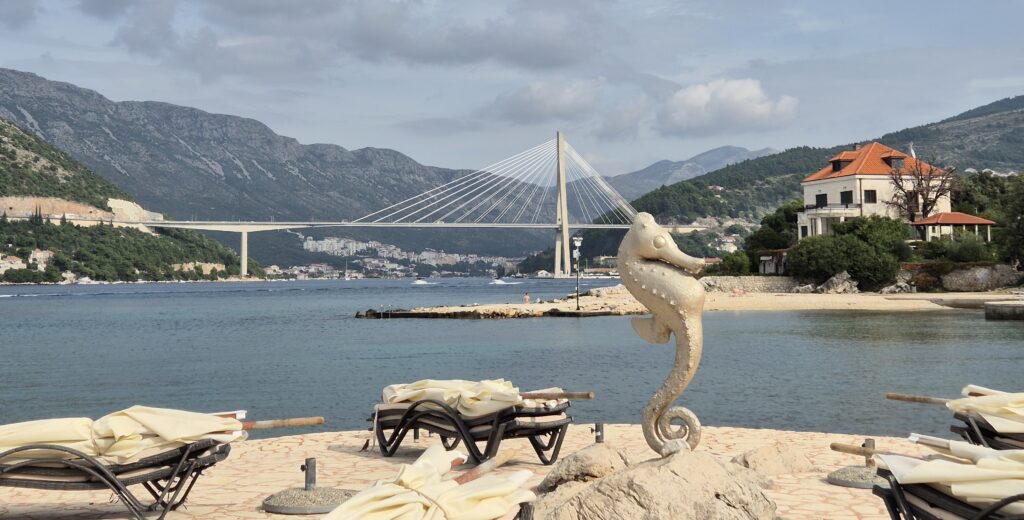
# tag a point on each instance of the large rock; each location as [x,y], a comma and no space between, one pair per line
[896,288]
[976,279]
[683,485]
[774,460]
[841,283]
[590,463]
[804,289]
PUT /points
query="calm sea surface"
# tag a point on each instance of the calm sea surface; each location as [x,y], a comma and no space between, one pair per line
[288,349]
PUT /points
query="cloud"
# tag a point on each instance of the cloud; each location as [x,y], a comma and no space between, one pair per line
[106,9]
[18,13]
[532,34]
[723,105]
[623,122]
[213,56]
[442,125]
[543,101]
[148,30]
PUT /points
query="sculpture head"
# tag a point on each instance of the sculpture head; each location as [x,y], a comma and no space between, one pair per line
[646,240]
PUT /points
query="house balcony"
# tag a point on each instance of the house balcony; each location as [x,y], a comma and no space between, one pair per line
[832,210]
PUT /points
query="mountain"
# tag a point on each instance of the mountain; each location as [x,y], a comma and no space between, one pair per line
[30,166]
[34,174]
[991,136]
[188,163]
[664,173]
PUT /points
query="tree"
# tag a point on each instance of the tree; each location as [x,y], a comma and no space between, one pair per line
[883,233]
[1013,214]
[735,263]
[820,257]
[918,189]
[777,231]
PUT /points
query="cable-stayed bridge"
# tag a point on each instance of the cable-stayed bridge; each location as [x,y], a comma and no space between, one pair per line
[549,186]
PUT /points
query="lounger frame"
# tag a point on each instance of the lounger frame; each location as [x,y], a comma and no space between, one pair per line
[454,428]
[976,430]
[901,508]
[168,476]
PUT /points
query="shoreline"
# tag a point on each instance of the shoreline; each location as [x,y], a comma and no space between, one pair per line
[616,301]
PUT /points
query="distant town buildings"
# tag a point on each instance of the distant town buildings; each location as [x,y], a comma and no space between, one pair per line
[390,260]
[11,262]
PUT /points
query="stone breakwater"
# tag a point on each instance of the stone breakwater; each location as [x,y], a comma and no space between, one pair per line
[616,301]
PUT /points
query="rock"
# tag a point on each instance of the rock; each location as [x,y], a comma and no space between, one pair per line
[904,276]
[605,291]
[684,485]
[841,283]
[774,460]
[896,288]
[804,289]
[985,278]
[590,463]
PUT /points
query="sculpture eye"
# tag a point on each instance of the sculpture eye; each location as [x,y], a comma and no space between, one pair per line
[659,242]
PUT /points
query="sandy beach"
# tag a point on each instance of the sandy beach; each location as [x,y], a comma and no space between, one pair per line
[617,301]
[235,488]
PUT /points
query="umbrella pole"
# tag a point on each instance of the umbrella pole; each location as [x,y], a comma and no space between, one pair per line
[928,440]
[547,396]
[282,423]
[486,466]
[893,396]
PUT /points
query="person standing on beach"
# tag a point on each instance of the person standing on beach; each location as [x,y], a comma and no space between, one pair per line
[526,298]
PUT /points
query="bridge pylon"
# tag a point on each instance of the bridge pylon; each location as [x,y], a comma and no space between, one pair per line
[563,261]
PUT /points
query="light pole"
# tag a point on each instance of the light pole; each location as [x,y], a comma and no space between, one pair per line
[577,241]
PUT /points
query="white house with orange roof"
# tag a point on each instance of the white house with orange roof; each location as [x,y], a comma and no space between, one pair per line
[856,183]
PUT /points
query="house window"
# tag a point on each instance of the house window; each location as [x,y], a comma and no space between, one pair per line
[821,200]
[897,163]
[803,231]
[846,197]
[870,197]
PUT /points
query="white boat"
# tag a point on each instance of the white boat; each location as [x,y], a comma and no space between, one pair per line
[421,281]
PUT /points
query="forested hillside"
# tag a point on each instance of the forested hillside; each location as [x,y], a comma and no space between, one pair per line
[31,167]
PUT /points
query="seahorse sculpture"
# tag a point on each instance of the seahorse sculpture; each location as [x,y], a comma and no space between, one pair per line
[660,276]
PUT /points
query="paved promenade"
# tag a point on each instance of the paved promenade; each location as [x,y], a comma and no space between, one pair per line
[235,488]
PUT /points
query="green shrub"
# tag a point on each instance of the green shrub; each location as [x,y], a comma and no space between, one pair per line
[736,264]
[821,257]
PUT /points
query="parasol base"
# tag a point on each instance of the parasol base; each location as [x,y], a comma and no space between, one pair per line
[299,501]
[861,477]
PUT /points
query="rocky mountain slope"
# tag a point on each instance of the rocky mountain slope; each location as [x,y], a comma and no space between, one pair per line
[664,173]
[188,163]
[31,167]
[991,136]
[34,173]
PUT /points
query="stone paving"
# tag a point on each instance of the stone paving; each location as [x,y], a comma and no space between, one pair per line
[235,488]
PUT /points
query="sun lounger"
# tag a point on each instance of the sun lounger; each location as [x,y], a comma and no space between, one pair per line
[167,476]
[927,502]
[976,430]
[544,426]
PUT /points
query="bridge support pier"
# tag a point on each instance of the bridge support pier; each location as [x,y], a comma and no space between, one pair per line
[244,269]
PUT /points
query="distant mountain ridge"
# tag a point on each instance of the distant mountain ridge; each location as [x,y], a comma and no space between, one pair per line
[990,136]
[187,163]
[663,173]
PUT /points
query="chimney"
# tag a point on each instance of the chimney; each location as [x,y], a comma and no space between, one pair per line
[856,146]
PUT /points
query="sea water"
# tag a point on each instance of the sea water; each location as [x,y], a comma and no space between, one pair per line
[291,349]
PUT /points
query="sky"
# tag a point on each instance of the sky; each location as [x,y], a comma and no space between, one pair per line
[466,83]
